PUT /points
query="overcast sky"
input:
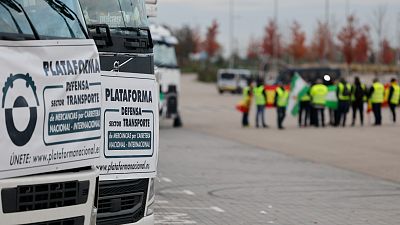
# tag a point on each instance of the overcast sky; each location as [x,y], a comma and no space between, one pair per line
[251,16]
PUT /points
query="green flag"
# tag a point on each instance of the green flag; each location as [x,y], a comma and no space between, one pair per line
[331,98]
[298,88]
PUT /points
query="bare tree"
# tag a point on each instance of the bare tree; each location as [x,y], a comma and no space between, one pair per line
[378,24]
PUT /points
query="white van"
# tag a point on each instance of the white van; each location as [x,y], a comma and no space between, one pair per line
[232,80]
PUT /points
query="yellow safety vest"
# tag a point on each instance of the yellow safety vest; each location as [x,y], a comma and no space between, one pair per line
[283,97]
[396,94]
[378,94]
[318,94]
[246,93]
[341,89]
[259,96]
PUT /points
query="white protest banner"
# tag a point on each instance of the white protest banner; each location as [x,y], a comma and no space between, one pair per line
[130,103]
[50,115]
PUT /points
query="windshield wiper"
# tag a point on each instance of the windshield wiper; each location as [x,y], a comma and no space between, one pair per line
[12,17]
[63,13]
[13,4]
[63,9]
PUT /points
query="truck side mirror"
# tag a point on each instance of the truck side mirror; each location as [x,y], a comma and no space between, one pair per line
[101,35]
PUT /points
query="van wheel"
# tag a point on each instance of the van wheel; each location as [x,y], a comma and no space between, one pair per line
[177,122]
[220,91]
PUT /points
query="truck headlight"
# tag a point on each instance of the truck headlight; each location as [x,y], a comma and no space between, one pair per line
[151,198]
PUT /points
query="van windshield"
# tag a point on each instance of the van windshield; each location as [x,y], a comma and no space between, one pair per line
[115,13]
[164,56]
[227,76]
[49,17]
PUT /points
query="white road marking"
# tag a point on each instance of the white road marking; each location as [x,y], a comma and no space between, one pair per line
[166,179]
[177,207]
[217,209]
[162,202]
[173,218]
[188,192]
[263,212]
[213,208]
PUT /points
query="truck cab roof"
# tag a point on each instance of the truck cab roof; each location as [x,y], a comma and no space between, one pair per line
[162,34]
[118,26]
[23,20]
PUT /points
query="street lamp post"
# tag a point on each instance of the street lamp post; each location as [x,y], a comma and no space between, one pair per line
[231,34]
[347,10]
[275,38]
[398,40]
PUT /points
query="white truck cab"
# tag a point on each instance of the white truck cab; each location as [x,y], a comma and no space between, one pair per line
[49,116]
[232,80]
[167,72]
[128,163]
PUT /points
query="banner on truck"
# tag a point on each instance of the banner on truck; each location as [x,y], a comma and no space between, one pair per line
[50,115]
[130,148]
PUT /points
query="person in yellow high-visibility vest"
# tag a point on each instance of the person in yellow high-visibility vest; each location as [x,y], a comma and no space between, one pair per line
[318,94]
[343,94]
[247,97]
[358,98]
[260,97]
[281,102]
[394,97]
[304,110]
[376,96]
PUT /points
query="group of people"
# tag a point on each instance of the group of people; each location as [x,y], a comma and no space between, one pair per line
[312,104]
[260,97]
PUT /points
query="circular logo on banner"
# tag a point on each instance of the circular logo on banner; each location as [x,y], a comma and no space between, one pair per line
[29,104]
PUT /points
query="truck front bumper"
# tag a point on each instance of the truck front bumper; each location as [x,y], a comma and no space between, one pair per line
[147,220]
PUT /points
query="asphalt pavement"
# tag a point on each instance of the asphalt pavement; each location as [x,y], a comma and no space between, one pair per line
[214,172]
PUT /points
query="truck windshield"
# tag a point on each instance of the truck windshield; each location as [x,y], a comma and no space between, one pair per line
[164,56]
[115,13]
[52,19]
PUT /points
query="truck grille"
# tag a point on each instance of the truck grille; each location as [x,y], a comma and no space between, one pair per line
[70,221]
[121,202]
[44,196]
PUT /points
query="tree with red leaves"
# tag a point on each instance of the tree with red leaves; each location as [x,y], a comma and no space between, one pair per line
[253,50]
[297,48]
[363,45]
[347,37]
[388,55]
[271,43]
[210,44]
[188,42]
[196,40]
[322,43]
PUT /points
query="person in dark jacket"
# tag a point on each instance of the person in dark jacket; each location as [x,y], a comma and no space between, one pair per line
[394,97]
[304,110]
[343,94]
[358,97]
